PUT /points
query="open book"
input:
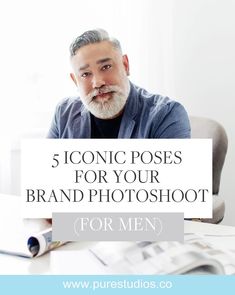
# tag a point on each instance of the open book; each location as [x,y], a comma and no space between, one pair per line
[23,237]
[199,254]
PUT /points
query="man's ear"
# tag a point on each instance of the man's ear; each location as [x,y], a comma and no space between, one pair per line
[126,64]
[72,76]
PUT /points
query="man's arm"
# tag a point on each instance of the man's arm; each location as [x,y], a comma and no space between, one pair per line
[53,131]
[173,122]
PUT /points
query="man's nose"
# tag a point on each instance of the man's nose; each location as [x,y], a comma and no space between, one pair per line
[98,81]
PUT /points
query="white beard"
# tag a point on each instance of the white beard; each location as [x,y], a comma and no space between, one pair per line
[110,108]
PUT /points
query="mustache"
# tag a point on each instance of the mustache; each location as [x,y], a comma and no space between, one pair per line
[103,90]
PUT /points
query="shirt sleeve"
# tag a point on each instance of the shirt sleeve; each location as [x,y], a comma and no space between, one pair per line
[173,122]
[54,128]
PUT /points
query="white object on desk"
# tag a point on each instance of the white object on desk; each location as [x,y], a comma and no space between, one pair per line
[73,258]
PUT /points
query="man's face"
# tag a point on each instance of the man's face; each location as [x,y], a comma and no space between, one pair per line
[100,73]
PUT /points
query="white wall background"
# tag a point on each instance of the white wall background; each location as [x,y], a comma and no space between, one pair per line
[204,72]
[181,48]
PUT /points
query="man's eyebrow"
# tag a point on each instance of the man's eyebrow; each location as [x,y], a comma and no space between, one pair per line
[101,61]
[84,67]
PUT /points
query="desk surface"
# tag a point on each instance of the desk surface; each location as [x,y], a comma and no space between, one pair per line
[73,258]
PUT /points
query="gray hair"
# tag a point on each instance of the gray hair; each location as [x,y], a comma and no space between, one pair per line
[90,37]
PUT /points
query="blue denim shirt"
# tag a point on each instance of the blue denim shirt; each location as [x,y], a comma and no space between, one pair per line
[145,116]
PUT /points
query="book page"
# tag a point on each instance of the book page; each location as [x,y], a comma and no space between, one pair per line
[197,252]
[220,247]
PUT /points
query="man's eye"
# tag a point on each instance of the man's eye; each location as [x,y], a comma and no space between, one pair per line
[84,75]
[106,67]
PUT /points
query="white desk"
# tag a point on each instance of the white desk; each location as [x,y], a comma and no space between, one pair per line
[73,258]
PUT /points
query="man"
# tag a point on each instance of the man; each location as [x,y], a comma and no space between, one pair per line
[110,106]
